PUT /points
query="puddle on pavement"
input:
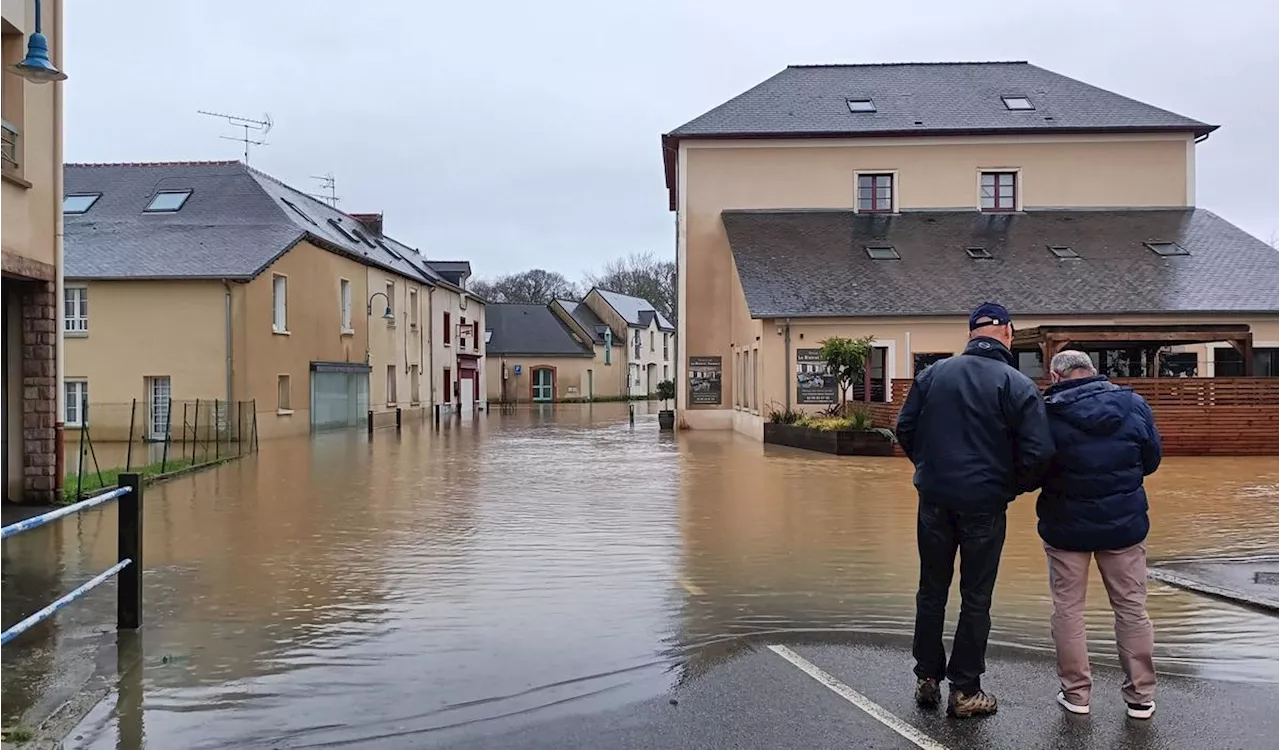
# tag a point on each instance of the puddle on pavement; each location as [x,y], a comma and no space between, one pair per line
[332,590]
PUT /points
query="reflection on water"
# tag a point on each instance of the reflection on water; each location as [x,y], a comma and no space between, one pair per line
[338,590]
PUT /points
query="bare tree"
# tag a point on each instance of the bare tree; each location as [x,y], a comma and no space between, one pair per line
[643,275]
[534,287]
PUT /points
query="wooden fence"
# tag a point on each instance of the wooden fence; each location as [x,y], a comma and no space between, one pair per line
[1196,416]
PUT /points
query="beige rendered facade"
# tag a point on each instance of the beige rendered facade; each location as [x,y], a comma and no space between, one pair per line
[268,365]
[710,173]
[31,201]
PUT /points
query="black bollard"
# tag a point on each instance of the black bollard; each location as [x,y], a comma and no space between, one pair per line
[632,410]
[397,419]
[129,547]
[370,421]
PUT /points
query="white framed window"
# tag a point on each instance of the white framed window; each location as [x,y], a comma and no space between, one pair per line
[413,309]
[876,192]
[344,304]
[284,395]
[159,399]
[76,396]
[279,304]
[998,190]
[391,385]
[391,302]
[75,310]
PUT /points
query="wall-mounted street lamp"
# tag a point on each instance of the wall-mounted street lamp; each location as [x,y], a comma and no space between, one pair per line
[36,66]
[388,314]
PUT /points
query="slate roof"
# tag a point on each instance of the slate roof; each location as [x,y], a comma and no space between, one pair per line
[588,319]
[236,222]
[814,263]
[927,97]
[530,329]
[635,311]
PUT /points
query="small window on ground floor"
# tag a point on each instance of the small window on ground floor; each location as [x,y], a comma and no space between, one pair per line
[283,393]
[1227,362]
[922,360]
[76,397]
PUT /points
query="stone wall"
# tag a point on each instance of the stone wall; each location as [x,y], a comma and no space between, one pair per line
[39,393]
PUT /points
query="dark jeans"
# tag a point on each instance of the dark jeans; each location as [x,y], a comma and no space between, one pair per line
[980,539]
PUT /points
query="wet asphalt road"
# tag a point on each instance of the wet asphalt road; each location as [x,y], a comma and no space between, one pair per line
[760,701]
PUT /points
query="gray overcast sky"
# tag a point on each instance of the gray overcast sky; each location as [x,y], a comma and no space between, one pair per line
[518,134]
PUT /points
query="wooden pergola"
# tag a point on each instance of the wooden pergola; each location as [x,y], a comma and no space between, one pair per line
[1150,338]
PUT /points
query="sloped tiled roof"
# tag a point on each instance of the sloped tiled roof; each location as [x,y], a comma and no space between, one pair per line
[530,329]
[634,310]
[929,98]
[814,263]
[236,222]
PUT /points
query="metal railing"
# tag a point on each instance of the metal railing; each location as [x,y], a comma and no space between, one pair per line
[8,143]
[129,548]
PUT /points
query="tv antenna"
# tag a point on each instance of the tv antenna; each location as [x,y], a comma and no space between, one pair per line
[262,127]
[329,183]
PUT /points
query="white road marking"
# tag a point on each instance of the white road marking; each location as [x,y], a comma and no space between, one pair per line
[870,707]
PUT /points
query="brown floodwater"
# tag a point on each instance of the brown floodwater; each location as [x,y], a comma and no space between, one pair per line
[333,589]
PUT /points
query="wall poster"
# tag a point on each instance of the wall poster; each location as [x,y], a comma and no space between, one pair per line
[704,380]
[814,382]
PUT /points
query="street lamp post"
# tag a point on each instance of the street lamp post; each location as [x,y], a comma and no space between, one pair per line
[36,66]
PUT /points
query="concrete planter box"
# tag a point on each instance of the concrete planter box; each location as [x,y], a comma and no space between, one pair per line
[666,419]
[837,442]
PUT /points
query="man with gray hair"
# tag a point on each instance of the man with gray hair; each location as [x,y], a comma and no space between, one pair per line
[1093,505]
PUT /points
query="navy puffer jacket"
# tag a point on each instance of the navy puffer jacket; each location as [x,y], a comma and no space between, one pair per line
[1106,441]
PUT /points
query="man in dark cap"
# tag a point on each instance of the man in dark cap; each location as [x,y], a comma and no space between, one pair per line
[976,430]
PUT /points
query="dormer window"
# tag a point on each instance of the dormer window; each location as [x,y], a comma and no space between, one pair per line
[1063,252]
[167,201]
[978,253]
[861,105]
[1017,103]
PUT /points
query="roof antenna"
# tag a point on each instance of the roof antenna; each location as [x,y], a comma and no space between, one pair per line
[262,126]
[329,183]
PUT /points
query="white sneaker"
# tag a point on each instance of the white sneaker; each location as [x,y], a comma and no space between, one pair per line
[1074,708]
[1141,710]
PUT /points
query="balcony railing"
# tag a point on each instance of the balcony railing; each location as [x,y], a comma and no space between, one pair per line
[9,144]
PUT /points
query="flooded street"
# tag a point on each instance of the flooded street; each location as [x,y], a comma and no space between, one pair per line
[507,570]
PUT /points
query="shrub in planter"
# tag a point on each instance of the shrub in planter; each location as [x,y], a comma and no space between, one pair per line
[666,418]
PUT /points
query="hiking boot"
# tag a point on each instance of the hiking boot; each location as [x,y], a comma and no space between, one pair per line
[1140,710]
[928,694]
[979,703]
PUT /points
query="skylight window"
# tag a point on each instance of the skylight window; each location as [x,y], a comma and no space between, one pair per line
[360,236]
[301,213]
[1166,249]
[78,204]
[882,252]
[1017,103]
[979,253]
[167,201]
[1062,251]
[861,105]
[334,223]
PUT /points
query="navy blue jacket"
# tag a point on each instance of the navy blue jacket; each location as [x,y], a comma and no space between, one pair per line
[976,430]
[1106,443]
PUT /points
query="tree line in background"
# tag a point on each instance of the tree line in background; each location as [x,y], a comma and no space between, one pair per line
[641,275]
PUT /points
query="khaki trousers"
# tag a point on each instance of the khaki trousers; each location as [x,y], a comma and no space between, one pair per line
[1124,574]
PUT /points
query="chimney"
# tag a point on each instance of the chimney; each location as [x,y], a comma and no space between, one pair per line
[371,222]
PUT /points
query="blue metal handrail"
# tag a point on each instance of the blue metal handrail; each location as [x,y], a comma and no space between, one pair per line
[129,598]
[36,522]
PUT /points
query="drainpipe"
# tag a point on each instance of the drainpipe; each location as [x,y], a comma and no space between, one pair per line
[431,357]
[59,279]
[786,360]
[226,285]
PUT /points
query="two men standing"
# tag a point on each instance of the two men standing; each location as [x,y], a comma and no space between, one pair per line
[979,434]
